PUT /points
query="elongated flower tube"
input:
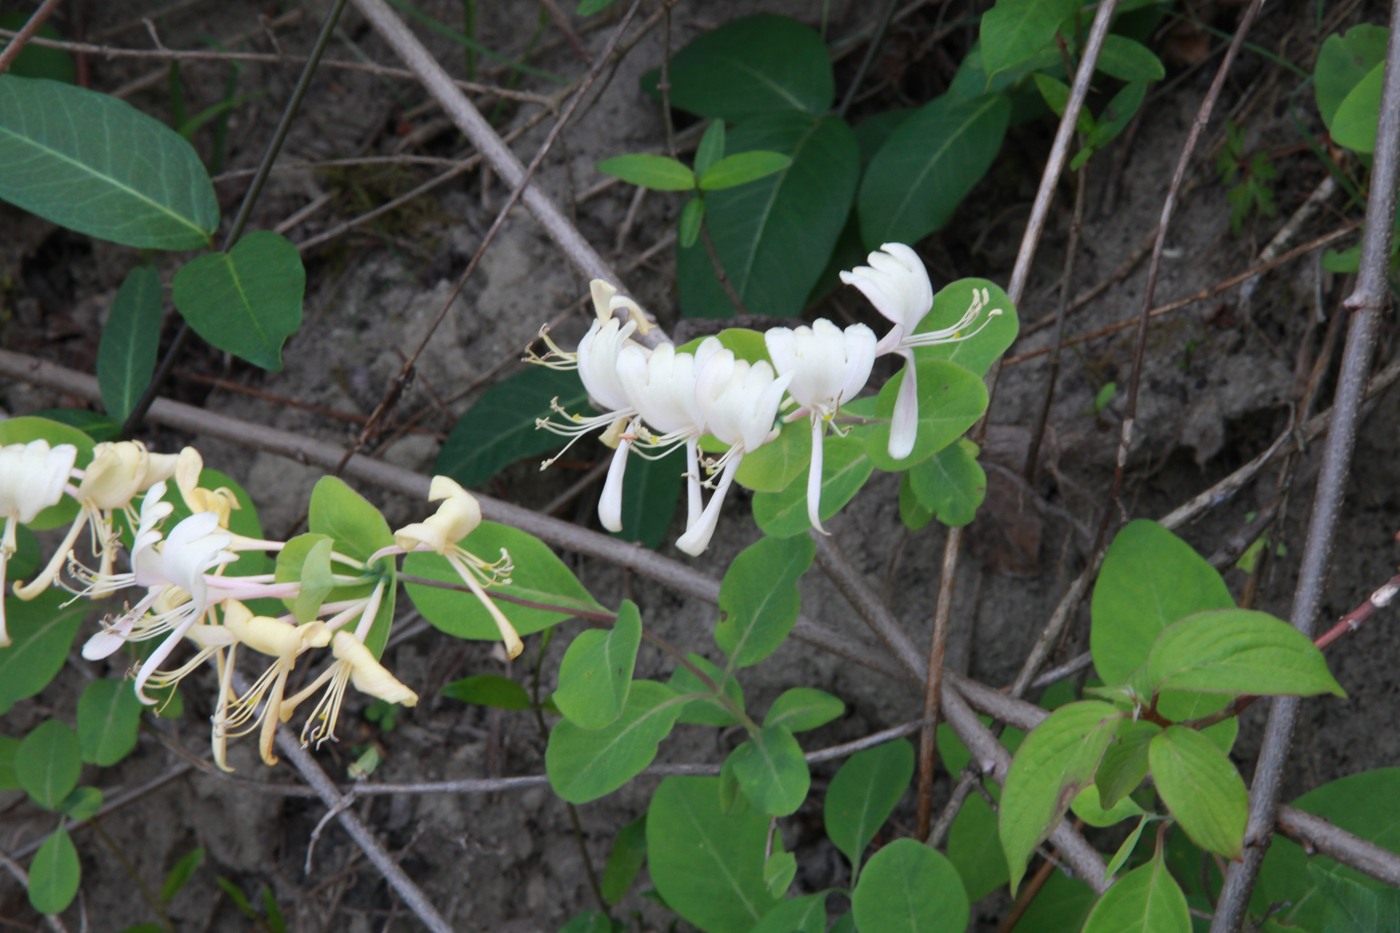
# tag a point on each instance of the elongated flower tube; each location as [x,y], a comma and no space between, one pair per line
[738,404]
[32,478]
[828,367]
[458,516]
[119,471]
[355,665]
[897,284]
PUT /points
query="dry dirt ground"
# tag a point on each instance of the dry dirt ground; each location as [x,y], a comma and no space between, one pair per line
[1220,378]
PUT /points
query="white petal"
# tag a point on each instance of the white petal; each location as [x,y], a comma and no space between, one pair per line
[904,426]
[610,503]
[697,538]
[814,475]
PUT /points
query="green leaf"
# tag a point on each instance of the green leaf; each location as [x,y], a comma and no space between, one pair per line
[1150,578]
[9,748]
[306,559]
[1357,118]
[706,710]
[82,803]
[659,173]
[1015,31]
[585,764]
[596,673]
[1124,763]
[1363,804]
[488,690]
[980,350]
[1055,762]
[928,165]
[1238,651]
[359,530]
[774,466]
[1145,900]
[773,236]
[692,216]
[499,428]
[32,428]
[41,633]
[539,576]
[951,399]
[846,465]
[1056,96]
[1355,908]
[1342,62]
[802,709]
[974,849]
[48,763]
[54,874]
[592,921]
[97,165]
[246,301]
[1114,119]
[109,716]
[592,7]
[758,599]
[126,355]
[742,168]
[951,484]
[863,794]
[705,863]
[180,874]
[1086,806]
[799,915]
[1126,849]
[1128,60]
[1201,787]
[650,496]
[911,511]
[909,888]
[755,65]
[38,61]
[772,772]
[711,147]
[778,872]
[629,853]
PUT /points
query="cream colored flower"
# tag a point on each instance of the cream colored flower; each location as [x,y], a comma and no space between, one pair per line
[32,478]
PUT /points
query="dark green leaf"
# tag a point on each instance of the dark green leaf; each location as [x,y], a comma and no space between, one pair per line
[179,874]
[488,690]
[773,236]
[247,301]
[911,511]
[799,915]
[909,888]
[585,764]
[629,853]
[9,747]
[591,7]
[863,794]
[974,849]
[1124,763]
[126,355]
[1342,63]
[1127,60]
[1355,908]
[1201,787]
[48,763]
[592,921]
[500,428]
[742,168]
[707,864]
[95,164]
[928,165]
[109,716]
[596,672]
[1145,900]
[54,874]
[41,634]
[1357,118]
[802,709]
[650,496]
[758,600]
[707,711]
[772,772]
[758,64]
[1016,31]
[1055,762]
[659,173]
[82,803]
[39,61]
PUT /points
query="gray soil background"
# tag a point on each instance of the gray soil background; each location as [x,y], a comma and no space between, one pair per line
[1220,378]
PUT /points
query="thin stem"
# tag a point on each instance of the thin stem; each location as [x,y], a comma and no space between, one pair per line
[866,60]
[933,683]
[21,38]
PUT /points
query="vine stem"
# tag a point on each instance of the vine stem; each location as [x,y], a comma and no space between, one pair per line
[1365,303]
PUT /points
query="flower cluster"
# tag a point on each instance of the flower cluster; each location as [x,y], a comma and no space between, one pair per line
[654,400]
[186,572]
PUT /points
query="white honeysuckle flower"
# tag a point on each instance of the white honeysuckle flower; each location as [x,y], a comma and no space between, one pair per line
[897,284]
[355,665]
[189,464]
[738,404]
[32,478]
[829,367]
[119,471]
[457,516]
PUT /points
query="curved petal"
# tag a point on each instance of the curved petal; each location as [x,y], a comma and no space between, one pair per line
[610,503]
[697,537]
[814,475]
[904,426]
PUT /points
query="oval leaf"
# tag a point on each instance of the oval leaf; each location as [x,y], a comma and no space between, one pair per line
[951,484]
[707,864]
[1145,900]
[126,356]
[758,600]
[596,673]
[659,173]
[928,165]
[41,634]
[1238,651]
[981,349]
[109,716]
[1342,62]
[846,466]
[863,794]
[758,64]
[247,301]
[1015,31]
[803,708]
[1201,787]
[585,764]
[951,399]
[54,874]
[97,165]
[1129,60]
[48,763]
[909,888]
[742,168]
[772,772]
[1358,117]
[488,690]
